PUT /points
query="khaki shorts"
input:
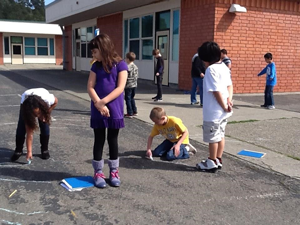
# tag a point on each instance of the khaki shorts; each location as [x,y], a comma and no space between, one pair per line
[213,132]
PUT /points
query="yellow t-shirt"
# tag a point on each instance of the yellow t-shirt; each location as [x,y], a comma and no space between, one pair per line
[172,130]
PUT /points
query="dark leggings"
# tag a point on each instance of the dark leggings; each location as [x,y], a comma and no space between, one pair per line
[99,140]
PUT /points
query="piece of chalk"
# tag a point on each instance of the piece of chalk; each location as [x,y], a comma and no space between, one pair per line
[149,157]
[28,161]
[12,193]
[73,214]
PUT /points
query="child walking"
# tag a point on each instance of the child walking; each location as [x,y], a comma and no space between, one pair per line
[105,86]
[131,85]
[271,80]
[158,72]
[217,106]
[176,145]
[35,103]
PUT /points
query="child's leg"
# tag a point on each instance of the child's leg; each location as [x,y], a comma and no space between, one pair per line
[213,149]
[134,109]
[271,95]
[113,162]
[20,139]
[163,148]
[221,146]
[183,154]
[44,139]
[99,140]
[128,101]
[266,96]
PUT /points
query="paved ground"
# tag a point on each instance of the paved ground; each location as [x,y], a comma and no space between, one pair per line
[157,192]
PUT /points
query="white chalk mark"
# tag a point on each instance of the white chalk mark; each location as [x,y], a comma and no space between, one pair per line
[20,213]
[3,124]
[25,181]
[3,106]
[8,95]
[268,195]
[12,223]
[20,95]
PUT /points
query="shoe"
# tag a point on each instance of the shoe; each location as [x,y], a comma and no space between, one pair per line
[128,116]
[201,105]
[219,163]
[194,103]
[207,165]
[271,107]
[135,114]
[16,156]
[44,140]
[114,173]
[154,97]
[263,106]
[99,178]
[158,100]
[191,149]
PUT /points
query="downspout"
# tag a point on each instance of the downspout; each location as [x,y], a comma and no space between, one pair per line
[63,46]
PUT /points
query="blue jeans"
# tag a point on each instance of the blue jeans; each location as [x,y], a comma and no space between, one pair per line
[21,129]
[197,81]
[269,99]
[130,102]
[164,150]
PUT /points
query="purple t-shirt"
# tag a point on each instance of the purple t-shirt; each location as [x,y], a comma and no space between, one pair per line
[105,84]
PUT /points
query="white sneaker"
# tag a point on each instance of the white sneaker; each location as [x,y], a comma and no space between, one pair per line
[191,149]
[207,165]
[271,107]
[219,164]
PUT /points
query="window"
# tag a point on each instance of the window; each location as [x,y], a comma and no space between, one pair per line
[89,37]
[138,33]
[147,26]
[175,40]
[16,40]
[42,46]
[135,47]
[147,47]
[163,20]
[6,45]
[29,46]
[83,39]
[51,40]
[125,37]
[135,28]
[77,34]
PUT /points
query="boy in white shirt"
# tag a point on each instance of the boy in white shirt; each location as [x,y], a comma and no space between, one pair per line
[217,104]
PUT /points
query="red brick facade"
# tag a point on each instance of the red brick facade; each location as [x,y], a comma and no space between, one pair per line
[58,50]
[268,26]
[1,49]
[68,47]
[112,26]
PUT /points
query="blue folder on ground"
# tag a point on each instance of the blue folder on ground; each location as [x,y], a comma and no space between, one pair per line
[77,183]
[252,153]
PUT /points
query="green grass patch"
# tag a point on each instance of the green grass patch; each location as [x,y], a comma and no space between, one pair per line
[242,121]
[293,157]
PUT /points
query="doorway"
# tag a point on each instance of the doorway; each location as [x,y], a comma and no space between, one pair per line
[17,54]
[162,43]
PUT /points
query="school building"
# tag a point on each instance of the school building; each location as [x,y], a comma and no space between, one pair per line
[30,42]
[247,29]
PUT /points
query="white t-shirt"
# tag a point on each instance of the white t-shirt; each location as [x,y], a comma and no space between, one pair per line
[217,78]
[41,92]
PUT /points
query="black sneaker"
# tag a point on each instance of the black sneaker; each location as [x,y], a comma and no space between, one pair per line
[16,156]
[158,100]
[263,106]
[154,97]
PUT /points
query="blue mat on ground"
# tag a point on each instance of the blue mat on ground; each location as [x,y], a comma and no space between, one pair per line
[252,153]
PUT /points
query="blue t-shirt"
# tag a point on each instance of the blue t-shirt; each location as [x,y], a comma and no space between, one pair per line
[270,71]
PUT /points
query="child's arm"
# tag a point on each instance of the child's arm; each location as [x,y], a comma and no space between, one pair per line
[149,143]
[272,72]
[263,71]
[122,78]
[29,139]
[219,99]
[179,142]
[53,105]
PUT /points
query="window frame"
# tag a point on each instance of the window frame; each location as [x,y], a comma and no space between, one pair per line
[30,46]
[171,34]
[43,47]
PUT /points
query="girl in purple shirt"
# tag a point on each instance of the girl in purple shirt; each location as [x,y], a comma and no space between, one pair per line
[105,86]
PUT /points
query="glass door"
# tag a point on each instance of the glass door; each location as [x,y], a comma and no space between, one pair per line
[162,43]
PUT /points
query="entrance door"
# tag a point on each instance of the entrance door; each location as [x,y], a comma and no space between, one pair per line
[162,43]
[77,57]
[17,56]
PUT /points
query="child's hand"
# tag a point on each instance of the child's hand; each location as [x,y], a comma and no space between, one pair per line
[99,105]
[176,149]
[29,156]
[105,111]
[149,153]
[157,74]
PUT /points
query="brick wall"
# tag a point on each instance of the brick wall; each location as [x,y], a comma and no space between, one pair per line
[196,27]
[1,48]
[112,26]
[58,50]
[68,47]
[268,26]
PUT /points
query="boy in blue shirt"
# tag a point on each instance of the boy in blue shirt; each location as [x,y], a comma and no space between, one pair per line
[271,80]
